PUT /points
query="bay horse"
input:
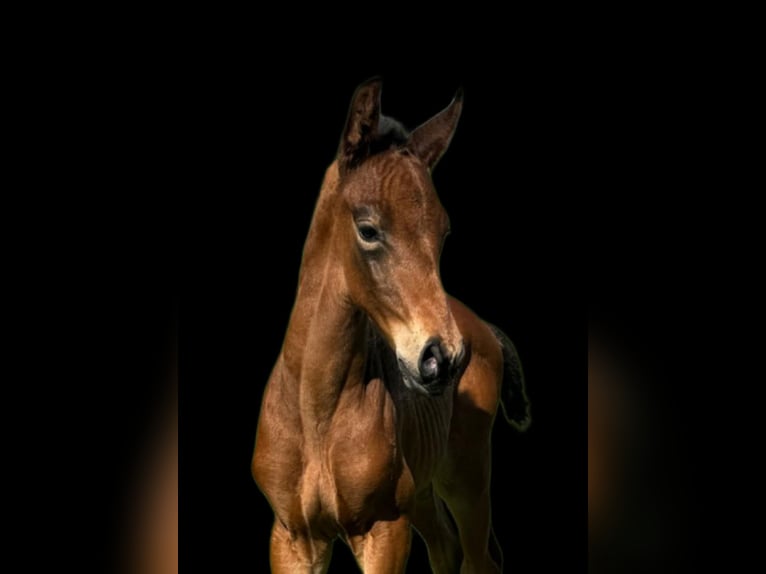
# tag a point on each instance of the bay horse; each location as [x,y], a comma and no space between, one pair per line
[378,413]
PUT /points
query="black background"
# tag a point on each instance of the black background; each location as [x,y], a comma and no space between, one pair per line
[557,185]
[183,176]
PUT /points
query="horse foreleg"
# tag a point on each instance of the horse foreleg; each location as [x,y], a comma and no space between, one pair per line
[433,524]
[298,554]
[466,491]
[472,515]
[384,549]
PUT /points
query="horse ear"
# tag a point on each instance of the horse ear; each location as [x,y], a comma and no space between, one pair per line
[361,124]
[430,140]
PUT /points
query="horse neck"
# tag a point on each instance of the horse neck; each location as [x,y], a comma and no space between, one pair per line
[324,350]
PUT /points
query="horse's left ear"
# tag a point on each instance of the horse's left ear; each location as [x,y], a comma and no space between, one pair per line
[361,125]
[430,140]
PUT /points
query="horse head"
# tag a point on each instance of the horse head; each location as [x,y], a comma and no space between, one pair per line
[391,231]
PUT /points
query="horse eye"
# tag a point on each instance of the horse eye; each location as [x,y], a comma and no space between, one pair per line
[367,232]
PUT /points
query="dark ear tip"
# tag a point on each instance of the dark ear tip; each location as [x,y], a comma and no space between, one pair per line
[459,94]
[376,81]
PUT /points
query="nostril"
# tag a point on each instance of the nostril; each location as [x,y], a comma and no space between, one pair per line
[432,363]
[430,367]
[436,353]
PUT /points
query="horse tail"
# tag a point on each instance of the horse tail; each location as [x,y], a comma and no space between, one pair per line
[513,393]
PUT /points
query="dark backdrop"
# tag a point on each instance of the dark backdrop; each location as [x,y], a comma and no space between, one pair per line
[580,171]
[557,181]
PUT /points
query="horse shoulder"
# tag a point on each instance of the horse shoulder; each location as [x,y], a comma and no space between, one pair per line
[277,464]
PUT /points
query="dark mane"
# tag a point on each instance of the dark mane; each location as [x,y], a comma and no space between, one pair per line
[391,134]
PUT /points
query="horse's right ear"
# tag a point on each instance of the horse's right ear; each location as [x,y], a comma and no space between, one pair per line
[361,125]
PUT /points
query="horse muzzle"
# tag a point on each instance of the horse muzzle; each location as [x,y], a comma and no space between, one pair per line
[436,370]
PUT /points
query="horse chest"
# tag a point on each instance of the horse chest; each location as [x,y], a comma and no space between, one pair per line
[366,472]
[355,476]
[378,459]
[365,466]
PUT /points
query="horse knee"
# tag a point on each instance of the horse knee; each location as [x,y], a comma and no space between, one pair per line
[291,553]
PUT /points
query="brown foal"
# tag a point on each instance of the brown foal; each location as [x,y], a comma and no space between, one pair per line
[377,415]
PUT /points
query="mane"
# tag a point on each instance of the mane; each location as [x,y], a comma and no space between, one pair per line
[391,134]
